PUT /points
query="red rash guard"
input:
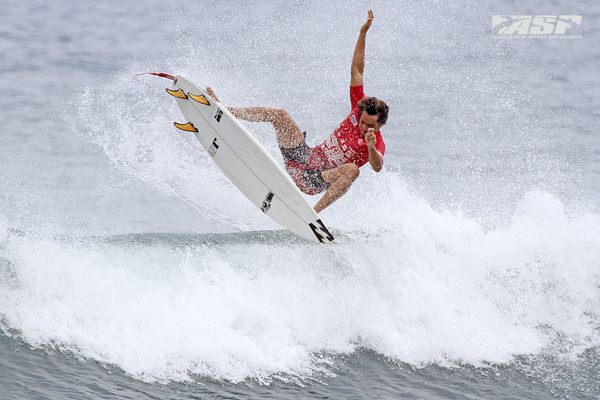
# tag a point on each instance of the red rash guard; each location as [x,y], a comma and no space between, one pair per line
[345,145]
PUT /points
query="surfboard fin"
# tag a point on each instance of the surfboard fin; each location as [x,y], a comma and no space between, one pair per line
[200,99]
[186,127]
[177,93]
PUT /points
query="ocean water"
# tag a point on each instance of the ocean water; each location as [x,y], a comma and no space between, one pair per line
[130,268]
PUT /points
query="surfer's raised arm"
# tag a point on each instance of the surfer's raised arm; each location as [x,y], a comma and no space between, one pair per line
[358,59]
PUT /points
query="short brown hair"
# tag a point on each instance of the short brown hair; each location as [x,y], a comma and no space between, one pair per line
[374,106]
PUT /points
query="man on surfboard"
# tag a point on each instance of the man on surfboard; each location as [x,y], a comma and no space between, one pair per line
[333,166]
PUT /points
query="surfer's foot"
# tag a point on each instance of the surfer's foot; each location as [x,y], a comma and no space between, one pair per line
[212,93]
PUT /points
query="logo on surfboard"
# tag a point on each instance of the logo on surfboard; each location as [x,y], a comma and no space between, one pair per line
[266,204]
[322,230]
[214,147]
[219,114]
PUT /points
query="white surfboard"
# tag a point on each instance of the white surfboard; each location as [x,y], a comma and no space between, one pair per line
[246,162]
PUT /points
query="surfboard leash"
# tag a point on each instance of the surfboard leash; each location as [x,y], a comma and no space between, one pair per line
[167,76]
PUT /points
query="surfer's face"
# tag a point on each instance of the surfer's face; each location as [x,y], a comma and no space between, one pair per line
[368,121]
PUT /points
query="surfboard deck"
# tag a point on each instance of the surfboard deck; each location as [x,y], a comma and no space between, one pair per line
[246,162]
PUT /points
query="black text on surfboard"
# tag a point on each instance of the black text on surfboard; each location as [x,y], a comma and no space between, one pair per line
[323,230]
[214,147]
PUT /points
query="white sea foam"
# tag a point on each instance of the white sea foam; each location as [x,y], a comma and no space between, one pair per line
[431,287]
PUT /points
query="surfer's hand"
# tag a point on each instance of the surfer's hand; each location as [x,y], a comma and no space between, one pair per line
[367,25]
[370,138]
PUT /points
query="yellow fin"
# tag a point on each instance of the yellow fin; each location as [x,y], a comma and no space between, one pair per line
[177,93]
[200,99]
[186,127]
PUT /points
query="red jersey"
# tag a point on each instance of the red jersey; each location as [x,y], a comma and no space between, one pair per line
[346,144]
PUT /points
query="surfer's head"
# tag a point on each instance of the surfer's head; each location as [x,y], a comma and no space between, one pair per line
[373,114]
[374,106]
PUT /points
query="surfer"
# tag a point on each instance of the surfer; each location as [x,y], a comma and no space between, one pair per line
[332,166]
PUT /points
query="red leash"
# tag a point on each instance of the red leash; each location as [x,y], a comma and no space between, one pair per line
[162,75]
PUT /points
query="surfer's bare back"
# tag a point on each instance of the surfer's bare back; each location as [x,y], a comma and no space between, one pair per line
[333,166]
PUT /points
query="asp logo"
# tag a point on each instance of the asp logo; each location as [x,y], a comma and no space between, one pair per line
[551,26]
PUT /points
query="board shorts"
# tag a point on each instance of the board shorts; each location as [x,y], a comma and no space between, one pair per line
[308,180]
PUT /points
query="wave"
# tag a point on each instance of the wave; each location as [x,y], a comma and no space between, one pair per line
[426,287]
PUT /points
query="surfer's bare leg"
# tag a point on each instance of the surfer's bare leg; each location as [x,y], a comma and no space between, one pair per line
[288,132]
[341,178]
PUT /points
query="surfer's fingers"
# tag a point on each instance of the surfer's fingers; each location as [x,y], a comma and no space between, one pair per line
[368,22]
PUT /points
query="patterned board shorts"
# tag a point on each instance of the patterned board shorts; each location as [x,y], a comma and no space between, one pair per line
[308,180]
